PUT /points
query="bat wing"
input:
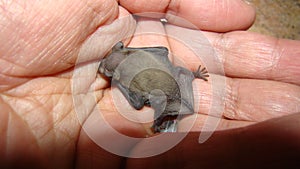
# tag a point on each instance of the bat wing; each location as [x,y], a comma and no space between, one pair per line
[135,99]
[159,53]
[184,79]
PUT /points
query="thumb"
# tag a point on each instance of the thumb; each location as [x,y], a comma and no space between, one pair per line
[43,37]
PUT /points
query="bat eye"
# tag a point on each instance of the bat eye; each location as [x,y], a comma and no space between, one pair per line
[118,46]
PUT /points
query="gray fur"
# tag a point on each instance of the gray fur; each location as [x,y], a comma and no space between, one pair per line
[146,77]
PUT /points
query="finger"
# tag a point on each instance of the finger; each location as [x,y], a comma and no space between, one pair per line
[122,117]
[191,48]
[235,99]
[218,16]
[149,33]
[245,99]
[239,54]
[201,122]
[250,55]
[98,44]
[256,146]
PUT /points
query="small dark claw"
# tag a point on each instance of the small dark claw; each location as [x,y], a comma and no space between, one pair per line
[169,126]
[166,127]
[203,70]
[201,73]
[165,124]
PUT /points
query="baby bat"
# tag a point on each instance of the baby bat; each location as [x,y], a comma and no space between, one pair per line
[146,77]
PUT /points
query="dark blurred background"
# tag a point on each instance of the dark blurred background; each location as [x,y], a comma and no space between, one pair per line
[278,18]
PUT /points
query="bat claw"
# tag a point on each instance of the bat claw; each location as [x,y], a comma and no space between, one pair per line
[201,73]
[170,126]
[166,127]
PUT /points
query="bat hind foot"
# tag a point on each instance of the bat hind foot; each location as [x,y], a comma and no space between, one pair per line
[201,73]
[169,124]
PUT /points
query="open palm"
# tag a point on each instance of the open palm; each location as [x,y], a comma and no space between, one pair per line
[46,48]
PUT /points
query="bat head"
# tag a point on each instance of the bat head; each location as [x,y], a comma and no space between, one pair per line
[112,60]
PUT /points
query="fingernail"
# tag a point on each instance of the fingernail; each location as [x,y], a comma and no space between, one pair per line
[249,2]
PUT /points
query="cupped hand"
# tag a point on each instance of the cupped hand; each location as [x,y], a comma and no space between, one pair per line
[45,45]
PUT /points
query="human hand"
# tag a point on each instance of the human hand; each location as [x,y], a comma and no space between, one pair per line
[39,52]
[262,83]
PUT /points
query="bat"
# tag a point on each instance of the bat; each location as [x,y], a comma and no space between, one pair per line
[146,77]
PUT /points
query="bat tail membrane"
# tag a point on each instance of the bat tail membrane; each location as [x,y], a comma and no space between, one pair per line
[186,108]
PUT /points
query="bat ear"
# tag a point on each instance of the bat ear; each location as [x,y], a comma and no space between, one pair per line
[118,46]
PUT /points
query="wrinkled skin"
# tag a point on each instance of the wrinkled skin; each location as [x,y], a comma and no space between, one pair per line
[40,42]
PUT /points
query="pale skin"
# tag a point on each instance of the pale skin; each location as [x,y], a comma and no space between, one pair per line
[41,41]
